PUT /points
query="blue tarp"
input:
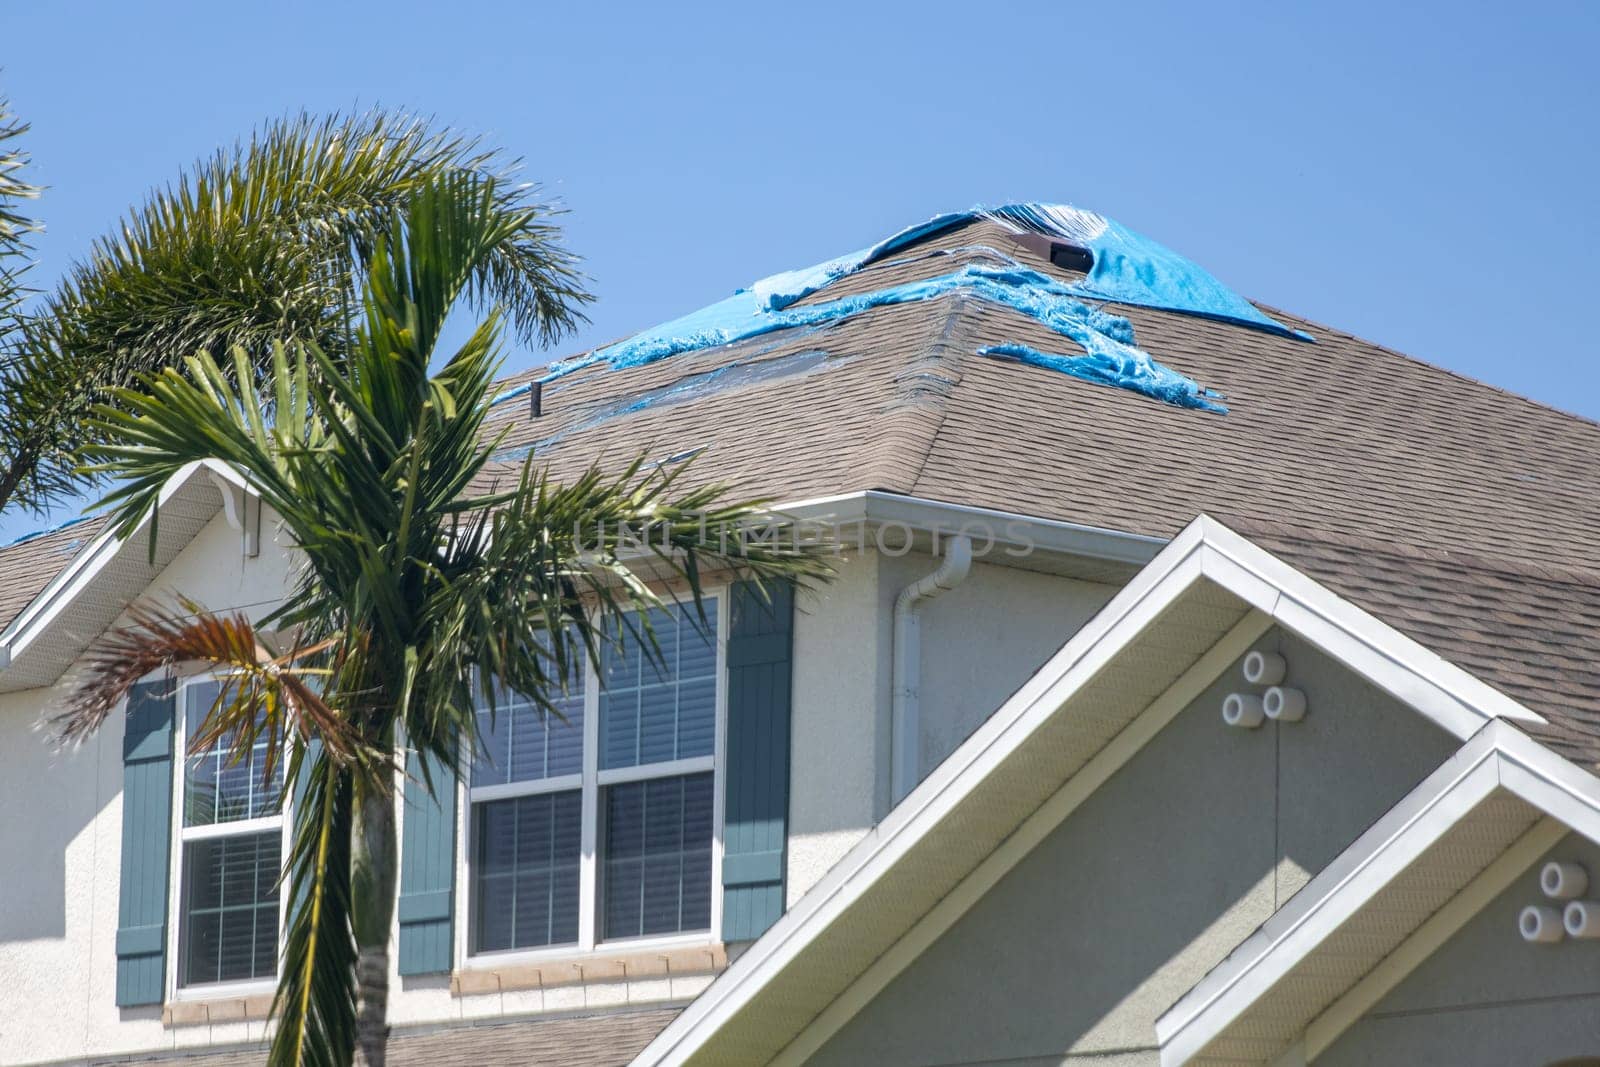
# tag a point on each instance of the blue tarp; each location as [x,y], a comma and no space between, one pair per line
[1128,268]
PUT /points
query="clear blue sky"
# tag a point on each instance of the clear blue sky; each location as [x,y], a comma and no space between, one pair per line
[1424,178]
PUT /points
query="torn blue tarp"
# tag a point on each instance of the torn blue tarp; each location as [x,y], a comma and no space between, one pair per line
[1127,268]
[1126,369]
[1106,338]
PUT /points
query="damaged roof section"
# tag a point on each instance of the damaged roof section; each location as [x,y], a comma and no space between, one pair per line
[1115,264]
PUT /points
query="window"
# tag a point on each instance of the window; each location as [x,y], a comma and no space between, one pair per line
[230,851]
[600,827]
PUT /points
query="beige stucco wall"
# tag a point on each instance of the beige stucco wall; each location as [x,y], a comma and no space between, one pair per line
[1487,997]
[980,642]
[1147,885]
[58,910]
[63,836]
[1246,816]
[840,722]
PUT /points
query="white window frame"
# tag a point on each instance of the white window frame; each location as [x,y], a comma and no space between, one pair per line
[591,781]
[182,835]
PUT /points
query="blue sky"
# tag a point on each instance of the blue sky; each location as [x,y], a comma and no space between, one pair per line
[1422,175]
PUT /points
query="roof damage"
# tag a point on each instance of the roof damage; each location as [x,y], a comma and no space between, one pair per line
[1124,267]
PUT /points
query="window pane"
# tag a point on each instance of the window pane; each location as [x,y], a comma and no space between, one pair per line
[651,714]
[657,856]
[215,788]
[229,925]
[521,744]
[525,864]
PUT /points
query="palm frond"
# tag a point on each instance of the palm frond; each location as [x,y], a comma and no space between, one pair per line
[267,241]
[261,692]
[16,227]
[424,594]
[316,1000]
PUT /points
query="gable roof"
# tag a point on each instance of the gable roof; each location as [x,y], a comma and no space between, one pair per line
[73,593]
[1155,645]
[1530,630]
[1477,822]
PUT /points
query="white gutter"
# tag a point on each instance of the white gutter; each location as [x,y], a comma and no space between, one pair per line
[905,744]
[1003,536]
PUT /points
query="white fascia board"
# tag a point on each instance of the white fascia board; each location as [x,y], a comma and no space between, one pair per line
[82,570]
[1372,648]
[1129,612]
[1008,529]
[1205,549]
[1498,757]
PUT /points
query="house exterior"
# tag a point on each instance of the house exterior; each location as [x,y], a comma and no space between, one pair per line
[1005,791]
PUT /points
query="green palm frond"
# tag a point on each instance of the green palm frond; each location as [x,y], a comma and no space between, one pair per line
[16,227]
[421,593]
[315,1004]
[267,241]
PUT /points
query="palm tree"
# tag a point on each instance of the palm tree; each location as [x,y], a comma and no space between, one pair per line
[15,228]
[424,586]
[262,242]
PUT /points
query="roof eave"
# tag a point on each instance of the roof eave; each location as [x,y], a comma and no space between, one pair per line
[1500,761]
[1205,555]
[98,563]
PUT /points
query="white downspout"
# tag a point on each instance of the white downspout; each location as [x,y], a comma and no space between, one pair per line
[905,743]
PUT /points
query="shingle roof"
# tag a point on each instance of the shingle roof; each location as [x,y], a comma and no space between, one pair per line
[604,1040]
[1462,514]
[26,567]
[1530,630]
[1341,437]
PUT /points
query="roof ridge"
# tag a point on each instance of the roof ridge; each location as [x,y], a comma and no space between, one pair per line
[947,346]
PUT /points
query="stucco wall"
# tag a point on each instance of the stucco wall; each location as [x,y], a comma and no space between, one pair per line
[1487,997]
[63,839]
[840,727]
[984,638]
[59,916]
[1144,888]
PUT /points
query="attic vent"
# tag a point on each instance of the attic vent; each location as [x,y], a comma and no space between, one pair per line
[1071,257]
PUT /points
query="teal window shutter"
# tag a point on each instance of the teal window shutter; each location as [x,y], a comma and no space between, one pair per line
[146,843]
[756,804]
[427,868]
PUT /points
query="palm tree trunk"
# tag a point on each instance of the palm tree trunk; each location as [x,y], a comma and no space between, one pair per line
[374,853]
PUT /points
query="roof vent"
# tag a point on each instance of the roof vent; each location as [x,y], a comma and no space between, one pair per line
[535,399]
[1071,257]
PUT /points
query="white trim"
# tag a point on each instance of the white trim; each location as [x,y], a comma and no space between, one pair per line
[589,782]
[181,834]
[223,990]
[1203,550]
[1433,933]
[1447,694]
[668,769]
[1051,814]
[719,758]
[564,783]
[1012,530]
[1499,758]
[208,831]
[86,566]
